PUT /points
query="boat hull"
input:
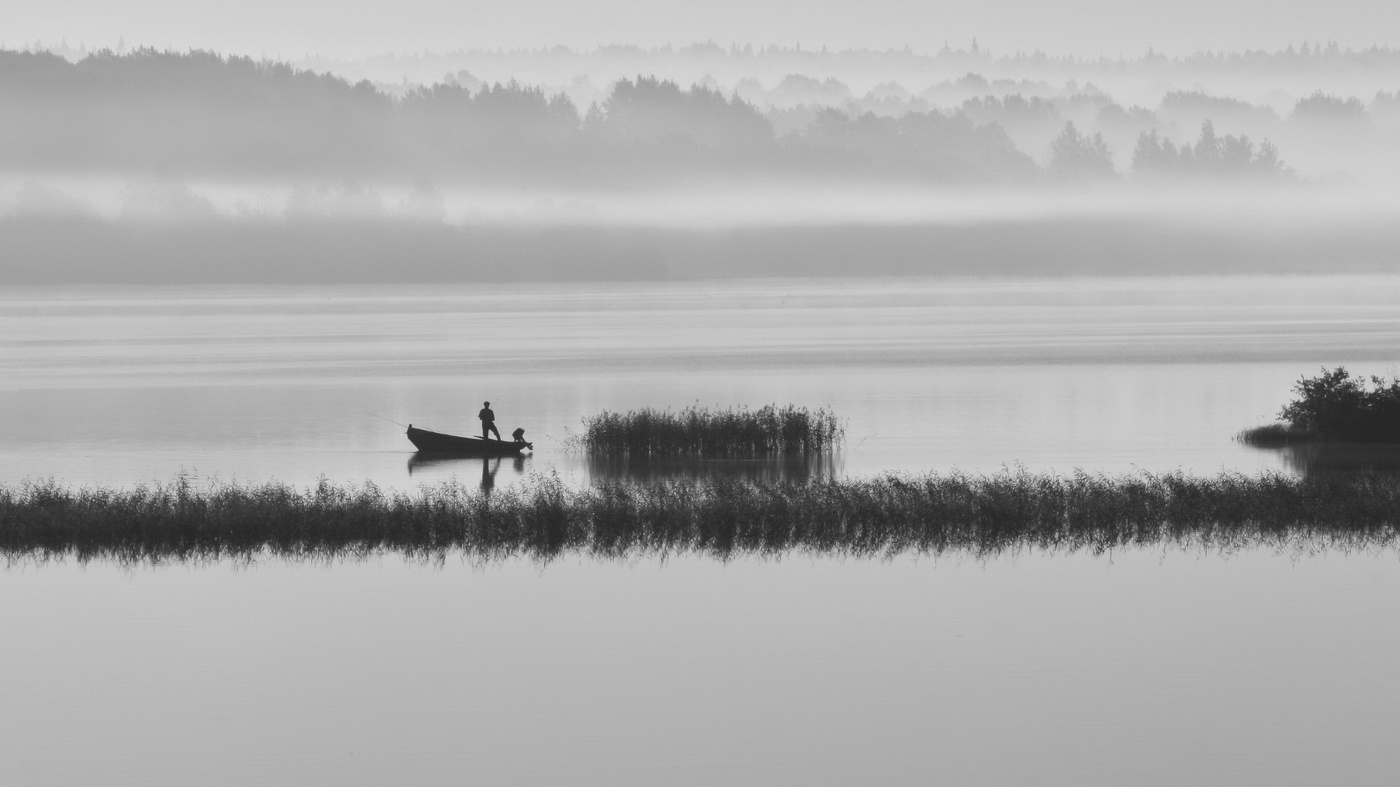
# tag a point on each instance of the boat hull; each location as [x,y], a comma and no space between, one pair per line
[437,443]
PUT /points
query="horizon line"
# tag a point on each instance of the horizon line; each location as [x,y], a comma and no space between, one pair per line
[1318,48]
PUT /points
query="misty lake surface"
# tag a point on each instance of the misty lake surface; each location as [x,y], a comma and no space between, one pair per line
[1143,667]
[123,386]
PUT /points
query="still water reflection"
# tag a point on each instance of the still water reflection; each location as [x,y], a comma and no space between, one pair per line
[824,465]
[764,468]
[1315,459]
[1030,669]
[1141,667]
[464,468]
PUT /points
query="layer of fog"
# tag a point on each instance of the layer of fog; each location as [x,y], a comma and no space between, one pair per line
[157,166]
[1326,113]
[697,205]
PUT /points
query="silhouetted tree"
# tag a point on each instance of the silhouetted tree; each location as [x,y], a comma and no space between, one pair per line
[654,111]
[151,109]
[1335,404]
[512,115]
[1212,155]
[1321,107]
[1194,105]
[797,89]
[930,143]
[1155,154]
[1267,160]
[1014,111]
[1385,102]
[1076,156]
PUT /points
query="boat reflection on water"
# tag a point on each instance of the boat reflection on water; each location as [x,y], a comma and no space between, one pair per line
[490,465]
[789,468]
[1327,458]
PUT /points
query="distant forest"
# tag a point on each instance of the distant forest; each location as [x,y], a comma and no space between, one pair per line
[1331,65]
[199,113]
[1306,57]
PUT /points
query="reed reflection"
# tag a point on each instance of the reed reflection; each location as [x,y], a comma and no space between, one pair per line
[543,517]
[764,468]
[1327,458]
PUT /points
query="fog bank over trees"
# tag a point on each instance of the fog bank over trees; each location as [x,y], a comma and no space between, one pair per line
[199,113]
[141,153]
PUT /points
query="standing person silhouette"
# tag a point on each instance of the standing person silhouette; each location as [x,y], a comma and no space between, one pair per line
[488,474]
[488,421]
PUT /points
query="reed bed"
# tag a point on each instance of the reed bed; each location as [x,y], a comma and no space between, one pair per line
[1276,435]
[978,515]
[702,431]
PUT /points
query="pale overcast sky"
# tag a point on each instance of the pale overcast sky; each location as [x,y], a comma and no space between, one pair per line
[290,28]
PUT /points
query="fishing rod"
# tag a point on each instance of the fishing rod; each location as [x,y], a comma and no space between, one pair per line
[382,418]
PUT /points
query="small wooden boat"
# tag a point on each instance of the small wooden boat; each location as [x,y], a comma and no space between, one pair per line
[438,443]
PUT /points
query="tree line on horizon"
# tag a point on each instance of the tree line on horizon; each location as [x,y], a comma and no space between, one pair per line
[199,112]
[1375,55]
[1308,57]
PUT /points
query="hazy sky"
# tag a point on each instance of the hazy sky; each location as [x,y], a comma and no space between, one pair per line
[291,28]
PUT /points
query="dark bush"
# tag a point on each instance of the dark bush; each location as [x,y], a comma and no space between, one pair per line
[1336,405]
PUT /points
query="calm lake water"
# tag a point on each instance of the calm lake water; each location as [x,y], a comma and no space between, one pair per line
[130,386]
[1143,667]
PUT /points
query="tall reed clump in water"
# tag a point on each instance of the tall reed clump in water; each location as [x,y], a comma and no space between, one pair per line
[697,430]
[883,516]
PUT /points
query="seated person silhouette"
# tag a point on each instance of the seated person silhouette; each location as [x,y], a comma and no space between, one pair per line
[518,435]
[488,421]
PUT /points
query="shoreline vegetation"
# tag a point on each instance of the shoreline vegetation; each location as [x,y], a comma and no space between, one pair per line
[880,517]
[1334,407]
[695,431]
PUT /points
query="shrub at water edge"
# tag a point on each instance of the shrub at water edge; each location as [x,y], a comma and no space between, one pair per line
[1335,406]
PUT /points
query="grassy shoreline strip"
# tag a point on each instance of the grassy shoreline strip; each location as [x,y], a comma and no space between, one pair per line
[931,514]
[699,430]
